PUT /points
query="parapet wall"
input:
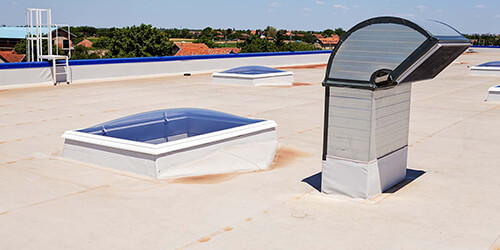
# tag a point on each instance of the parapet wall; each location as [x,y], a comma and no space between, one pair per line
[40,73]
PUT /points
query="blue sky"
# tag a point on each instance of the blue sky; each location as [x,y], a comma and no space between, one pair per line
[473,16]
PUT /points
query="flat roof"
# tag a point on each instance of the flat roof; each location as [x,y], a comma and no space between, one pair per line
[17,32]
[449,201]
[13,32]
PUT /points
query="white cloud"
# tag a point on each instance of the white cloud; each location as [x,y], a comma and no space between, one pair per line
[340,6]
[407,15]
[307,9]
[480,6]
[320,2]
[275,4]
[13,2]
[270,10]
[497,16]
[421,7]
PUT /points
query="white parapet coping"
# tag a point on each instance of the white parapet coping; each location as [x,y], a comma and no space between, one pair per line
[162,148]
[36,74]
[284,78]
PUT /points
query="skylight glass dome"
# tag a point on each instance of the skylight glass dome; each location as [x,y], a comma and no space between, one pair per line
[254,76]
[252,70]
[173,143]
[486,69]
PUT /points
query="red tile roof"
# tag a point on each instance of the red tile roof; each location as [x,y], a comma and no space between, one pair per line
[318,35]
[11,56]
[220,51]
[189,49]
[85,43]
[334,39]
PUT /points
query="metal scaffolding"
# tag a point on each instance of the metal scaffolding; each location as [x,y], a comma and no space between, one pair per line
[39,30]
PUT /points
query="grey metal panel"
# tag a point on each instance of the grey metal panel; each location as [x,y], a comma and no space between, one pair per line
[365,125]
[353,154]
[350,123]
[392,116]
[350,133]
[377,46]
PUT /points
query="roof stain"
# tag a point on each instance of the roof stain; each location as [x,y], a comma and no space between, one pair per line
[204,239]
[302,84]
[286,155]
[205,179]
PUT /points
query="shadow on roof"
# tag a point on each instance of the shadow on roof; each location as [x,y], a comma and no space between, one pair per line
[411,174]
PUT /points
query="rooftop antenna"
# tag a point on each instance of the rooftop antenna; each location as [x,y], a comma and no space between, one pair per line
[39,29]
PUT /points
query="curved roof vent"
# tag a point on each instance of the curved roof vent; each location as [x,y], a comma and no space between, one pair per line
[367,106]
[385,51]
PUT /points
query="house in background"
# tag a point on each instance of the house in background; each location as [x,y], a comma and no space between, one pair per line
[318,36]
[63,40]
[10,36]
[327,43]
[190,49]
[85,43]
[11,57]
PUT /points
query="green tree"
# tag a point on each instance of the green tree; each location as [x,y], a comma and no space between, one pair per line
[235,35]
[308,38]
[280,38]
[297,46]
[20,47]
[327,32]
[81,52]
[101,32]
[340,31]
[255,44]
[101,43]
[184,33]
[270,31]
[206,40]
[84,31]
[207,32]
[139,41]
